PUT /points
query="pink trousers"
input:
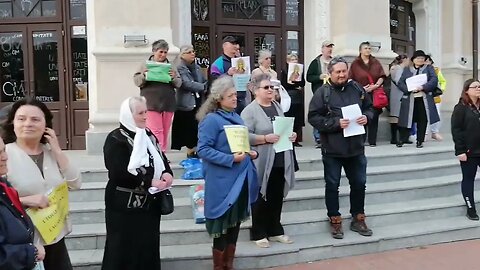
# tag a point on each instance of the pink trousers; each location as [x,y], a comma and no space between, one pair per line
[159,124]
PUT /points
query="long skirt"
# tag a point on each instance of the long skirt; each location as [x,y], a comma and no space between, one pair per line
[133,240]
[237,213]
[184,129]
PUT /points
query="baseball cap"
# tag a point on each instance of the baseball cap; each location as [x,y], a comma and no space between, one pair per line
[327,43]
[230,39]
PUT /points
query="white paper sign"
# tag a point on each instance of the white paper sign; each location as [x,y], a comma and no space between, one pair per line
[283,127]
[352,113]
[242,64]
[416,81]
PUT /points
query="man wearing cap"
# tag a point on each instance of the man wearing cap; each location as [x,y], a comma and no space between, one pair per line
[223,65]
[317,74]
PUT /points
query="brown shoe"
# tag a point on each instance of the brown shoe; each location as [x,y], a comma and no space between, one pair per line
[218,259]
[358,225]
[229,256]
[336,227]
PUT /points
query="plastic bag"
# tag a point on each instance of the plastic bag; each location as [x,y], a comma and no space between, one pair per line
[193,169]
[197,194]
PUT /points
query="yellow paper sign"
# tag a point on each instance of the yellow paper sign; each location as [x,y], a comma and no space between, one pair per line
[237,137]
[51,220]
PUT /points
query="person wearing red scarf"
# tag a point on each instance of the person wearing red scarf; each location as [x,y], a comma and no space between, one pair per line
[17,251]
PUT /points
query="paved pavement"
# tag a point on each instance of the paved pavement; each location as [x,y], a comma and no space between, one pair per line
[451,256]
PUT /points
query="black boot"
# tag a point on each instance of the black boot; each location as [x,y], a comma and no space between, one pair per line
[394,131]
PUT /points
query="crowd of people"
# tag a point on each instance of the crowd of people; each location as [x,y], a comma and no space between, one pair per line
[237,185]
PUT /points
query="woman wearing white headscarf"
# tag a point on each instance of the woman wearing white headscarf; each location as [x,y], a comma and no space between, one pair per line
[135,163]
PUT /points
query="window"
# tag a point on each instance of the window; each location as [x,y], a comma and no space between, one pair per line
[10,9]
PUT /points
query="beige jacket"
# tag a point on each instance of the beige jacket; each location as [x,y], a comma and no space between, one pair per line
[27,179]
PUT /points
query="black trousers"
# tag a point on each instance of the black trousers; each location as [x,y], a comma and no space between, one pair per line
[372,127]
[56,257]
[419,117]
[266,213]
[469,171]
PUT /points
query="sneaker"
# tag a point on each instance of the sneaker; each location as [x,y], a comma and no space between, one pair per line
[358,225]
[472,214]
[318,145]
[437,137]
[336,227]
[284,239]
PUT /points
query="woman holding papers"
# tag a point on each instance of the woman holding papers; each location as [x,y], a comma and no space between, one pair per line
[466,135]
[417,103]
[135,163]
[295,91]
[17,249]
[275,171]
[157,81]
[189,98]
[37,165]
[368,72]
[230,178]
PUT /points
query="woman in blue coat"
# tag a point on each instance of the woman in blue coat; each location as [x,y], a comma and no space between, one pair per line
[230,179]
[418,105]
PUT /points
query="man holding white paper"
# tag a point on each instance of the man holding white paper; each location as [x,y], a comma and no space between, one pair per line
[339,109]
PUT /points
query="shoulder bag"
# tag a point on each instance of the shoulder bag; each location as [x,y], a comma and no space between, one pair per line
[380,99]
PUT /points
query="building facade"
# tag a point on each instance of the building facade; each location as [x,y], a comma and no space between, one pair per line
[45,49]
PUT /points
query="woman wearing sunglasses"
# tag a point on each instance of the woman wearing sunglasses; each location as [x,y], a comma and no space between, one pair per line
[275,171]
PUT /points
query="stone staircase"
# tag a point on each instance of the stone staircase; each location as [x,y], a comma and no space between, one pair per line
[413,199]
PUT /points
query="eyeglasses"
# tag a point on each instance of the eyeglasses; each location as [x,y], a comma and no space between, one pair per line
[189,52]
[266,87]
[474,87]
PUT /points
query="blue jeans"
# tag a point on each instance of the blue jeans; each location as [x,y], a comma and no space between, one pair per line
[356,172]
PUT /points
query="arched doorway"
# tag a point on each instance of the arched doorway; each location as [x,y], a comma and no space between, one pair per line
[402,27]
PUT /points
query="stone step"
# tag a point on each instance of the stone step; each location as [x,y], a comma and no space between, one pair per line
[310,159]
[94,191]
[175,232]
[307,199]
[307,247]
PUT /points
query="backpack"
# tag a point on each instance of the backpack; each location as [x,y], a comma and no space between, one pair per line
[327,92]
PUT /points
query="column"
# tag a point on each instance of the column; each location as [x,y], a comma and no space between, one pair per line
[112,63]
[358,21]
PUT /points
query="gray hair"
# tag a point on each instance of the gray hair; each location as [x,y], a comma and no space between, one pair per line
[256,80]
[262,55]
[159,44]
[334,61]
[217,91]
[183,50]
[134,101]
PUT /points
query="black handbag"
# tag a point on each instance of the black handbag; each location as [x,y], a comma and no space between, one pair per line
[164,202]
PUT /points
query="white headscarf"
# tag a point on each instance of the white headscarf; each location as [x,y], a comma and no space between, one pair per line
[141,143]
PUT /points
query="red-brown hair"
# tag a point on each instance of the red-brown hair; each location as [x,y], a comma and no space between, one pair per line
[464,98]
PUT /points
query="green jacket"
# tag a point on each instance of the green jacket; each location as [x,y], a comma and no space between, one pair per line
[313,73]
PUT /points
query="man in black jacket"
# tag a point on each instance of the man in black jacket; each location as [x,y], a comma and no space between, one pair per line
[338,151]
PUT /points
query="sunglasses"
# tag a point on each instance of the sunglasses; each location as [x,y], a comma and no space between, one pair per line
[266,87]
